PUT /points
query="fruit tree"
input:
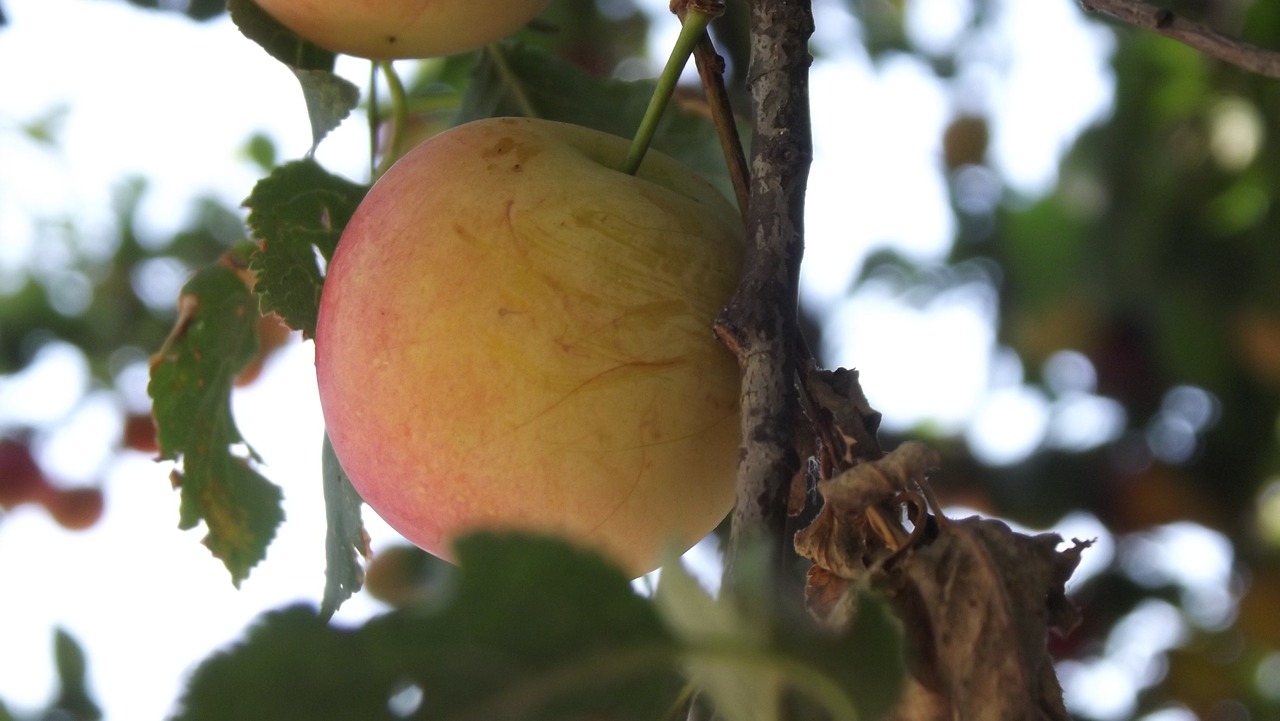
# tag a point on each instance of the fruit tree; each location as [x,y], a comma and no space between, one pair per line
[592,294]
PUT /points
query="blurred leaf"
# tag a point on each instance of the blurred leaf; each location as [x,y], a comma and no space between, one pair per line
[194,9]
[515,79]
[296,211]
[191,381]
[290,665]
[534,630]
[74,701]
[883,26]
[866,660]
[47,128]
[745,664]
[1044,253]
[330,99]
[279,41]
[345,536]
[261,149]
[740,692]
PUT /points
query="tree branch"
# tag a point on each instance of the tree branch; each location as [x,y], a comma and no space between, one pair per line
[1193,34]
[760,324]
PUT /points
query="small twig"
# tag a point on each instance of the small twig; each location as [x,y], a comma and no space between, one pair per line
[1193,34]
[711,70]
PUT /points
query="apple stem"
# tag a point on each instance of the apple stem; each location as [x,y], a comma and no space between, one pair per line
[695,24]
[399,118]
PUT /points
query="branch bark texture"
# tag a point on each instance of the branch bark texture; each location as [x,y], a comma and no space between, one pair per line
[760,323]
[1193,34]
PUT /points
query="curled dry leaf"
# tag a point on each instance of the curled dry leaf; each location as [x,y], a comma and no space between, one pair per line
[980,599]
[838,541]
[976,598]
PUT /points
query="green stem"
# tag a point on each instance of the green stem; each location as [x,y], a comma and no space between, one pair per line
[511,81]
[695,23]
[374,117]
[399,118]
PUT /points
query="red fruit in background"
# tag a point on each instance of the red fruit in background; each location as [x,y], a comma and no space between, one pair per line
[272,335]
[76,509]
[21,479]
[402,575]
[140,433]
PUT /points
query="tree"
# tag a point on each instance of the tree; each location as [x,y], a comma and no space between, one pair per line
[1149,267]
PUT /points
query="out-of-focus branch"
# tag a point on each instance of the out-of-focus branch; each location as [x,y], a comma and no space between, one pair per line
[760,324]
[1193,34]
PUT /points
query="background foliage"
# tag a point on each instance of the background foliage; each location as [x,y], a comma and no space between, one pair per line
[1150,269]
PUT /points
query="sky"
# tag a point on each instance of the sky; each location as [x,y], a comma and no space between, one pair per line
[148,601]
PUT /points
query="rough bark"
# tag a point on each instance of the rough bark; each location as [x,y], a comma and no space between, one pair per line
[760,323]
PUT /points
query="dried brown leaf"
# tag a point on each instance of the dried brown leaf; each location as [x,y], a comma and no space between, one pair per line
[846,421]
[828,597]
[981,598]
[836,539]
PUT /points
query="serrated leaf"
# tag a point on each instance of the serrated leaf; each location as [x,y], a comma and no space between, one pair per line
[191,382]
[279,41]
[533,630]
[297,211]
[330,99]
[345,537]
[516,79]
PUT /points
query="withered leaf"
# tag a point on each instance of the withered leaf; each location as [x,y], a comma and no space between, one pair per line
[980,599]
[835,540]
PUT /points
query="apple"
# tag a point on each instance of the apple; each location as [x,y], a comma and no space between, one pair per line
[390,29]
[75,509]
[21,480]
[514,334]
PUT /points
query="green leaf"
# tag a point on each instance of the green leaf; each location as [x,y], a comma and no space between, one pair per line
[74,702]
[740,693]
[745,663]
[291,665]
[345,536]
[330,99]
[515,79]
[297,211]
[865,660]
[279,41]
[191,381]
[533,629]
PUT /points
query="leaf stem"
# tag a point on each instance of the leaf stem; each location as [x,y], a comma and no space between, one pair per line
[695,24]
[399,118]
[511,81]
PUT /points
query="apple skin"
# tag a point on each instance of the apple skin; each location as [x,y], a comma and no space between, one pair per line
[392,29]
[515,335]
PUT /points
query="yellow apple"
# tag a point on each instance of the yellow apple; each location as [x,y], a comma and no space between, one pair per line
[514,334]
[390,29]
